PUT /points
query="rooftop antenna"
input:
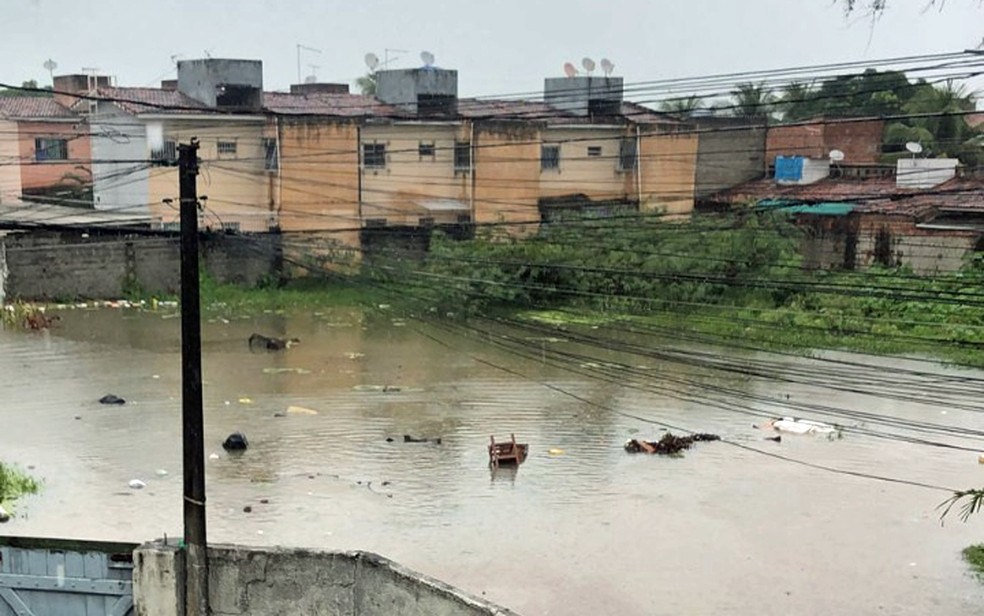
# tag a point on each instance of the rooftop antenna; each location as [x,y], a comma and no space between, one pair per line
[569,70]
[914,147]
[313,77]
[50,66]
[607,67]
[372,61]
[299,49]
[427,58]
[386,56]
[589,65]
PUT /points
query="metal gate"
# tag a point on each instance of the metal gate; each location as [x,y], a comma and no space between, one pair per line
[51,577]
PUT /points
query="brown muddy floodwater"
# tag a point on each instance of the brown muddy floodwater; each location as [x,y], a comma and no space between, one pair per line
[593,530]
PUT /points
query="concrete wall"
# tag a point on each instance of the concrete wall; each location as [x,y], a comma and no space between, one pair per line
[68,265]
[507,175]
[402,87]
[574,94]
[925,251]
[240,191]
[319,176]
[668,164]
[200,79]
[10,172]
[118,136]
[279,581]
[728,155]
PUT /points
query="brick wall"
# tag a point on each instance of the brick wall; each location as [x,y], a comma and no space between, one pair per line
[859,140]
[73,265]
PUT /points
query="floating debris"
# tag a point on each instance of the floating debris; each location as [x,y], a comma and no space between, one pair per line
[669,444]
[556,452]
[214,456]
[136,484]
[235,442]
[286,371]
[800,426]
[300,410]
[261,342]
[509,453]
[409,439]
[111,399]
[245,401]
[4,516]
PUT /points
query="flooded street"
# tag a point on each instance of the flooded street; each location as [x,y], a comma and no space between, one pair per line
[586,530]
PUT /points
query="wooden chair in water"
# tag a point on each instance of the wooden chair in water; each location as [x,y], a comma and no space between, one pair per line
[509,453]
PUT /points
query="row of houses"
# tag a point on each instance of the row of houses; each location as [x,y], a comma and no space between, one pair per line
[320,161]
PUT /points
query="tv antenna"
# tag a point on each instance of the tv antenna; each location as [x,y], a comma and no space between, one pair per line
[607,67]
[50,66]
[372,61]
[569,70]
[914,147]
[589,65]
[313,77]
[299,49]
[427,58]
[386,56]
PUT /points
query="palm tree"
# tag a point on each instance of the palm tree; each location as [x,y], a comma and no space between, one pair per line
[797,101]
[749,99]
[682,105]
[948,105]
[367,84]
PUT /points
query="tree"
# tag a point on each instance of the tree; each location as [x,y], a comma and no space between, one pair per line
[749,99]
[798,102]
[33,89]
[682,105]
[367,84]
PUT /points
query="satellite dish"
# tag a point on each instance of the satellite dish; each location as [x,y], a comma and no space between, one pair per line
[607,67]
[50,65]
[569,70]
[311,79]
[588,64]
[427,57]
[914,147]
[836,156]
[372,61]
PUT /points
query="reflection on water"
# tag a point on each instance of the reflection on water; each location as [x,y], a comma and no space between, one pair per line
[589,531]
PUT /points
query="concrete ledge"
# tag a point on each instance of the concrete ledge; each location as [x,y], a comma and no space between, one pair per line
[270,581]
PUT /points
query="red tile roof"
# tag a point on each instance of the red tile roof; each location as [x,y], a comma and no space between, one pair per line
[149,100]
[344,105]
[33,108]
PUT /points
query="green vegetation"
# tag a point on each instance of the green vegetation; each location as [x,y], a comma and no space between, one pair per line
[14,483]
[304,293]
[26,84]
[974,555]
[723,278]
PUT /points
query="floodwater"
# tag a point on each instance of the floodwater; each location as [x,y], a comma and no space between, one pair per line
[589,530]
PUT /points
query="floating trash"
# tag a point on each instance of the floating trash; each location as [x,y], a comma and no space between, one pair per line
[136,484]
[300,410]
[245,401]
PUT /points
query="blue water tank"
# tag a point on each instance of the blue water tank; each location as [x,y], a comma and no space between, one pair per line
[789,168]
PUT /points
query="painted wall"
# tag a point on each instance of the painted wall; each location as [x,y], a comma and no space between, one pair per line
[74,172]
[728,155]
[399,191]
[10,171]
[668,168]
[240,192]
[118,136]
[596,177]
[507,175]
[319,177]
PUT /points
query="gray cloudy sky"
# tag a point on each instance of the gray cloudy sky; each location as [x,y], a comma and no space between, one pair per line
[498,46]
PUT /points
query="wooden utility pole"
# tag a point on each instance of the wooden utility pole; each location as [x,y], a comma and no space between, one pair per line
[196,561]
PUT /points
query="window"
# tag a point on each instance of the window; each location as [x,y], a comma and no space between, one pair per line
[50,149]
[271,156]
[167,153]
[462,156]
[374,155]
[226,148]
[426,149]
[594,151]
[549,157]
[627,154]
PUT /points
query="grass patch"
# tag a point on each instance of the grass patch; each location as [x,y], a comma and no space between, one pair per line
[15,483]
[974,555]
[301,294]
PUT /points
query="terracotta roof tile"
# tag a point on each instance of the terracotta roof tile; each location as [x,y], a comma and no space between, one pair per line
[343,105]
[150,100]
[33,108]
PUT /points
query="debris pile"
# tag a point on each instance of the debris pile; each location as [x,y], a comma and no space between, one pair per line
[669,444]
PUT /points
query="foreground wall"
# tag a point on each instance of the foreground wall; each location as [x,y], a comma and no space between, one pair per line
[75,265]
[279,581]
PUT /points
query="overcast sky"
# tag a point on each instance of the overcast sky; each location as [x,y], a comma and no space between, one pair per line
[498,46]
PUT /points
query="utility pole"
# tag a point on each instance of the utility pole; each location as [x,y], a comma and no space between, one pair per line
[196,561]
